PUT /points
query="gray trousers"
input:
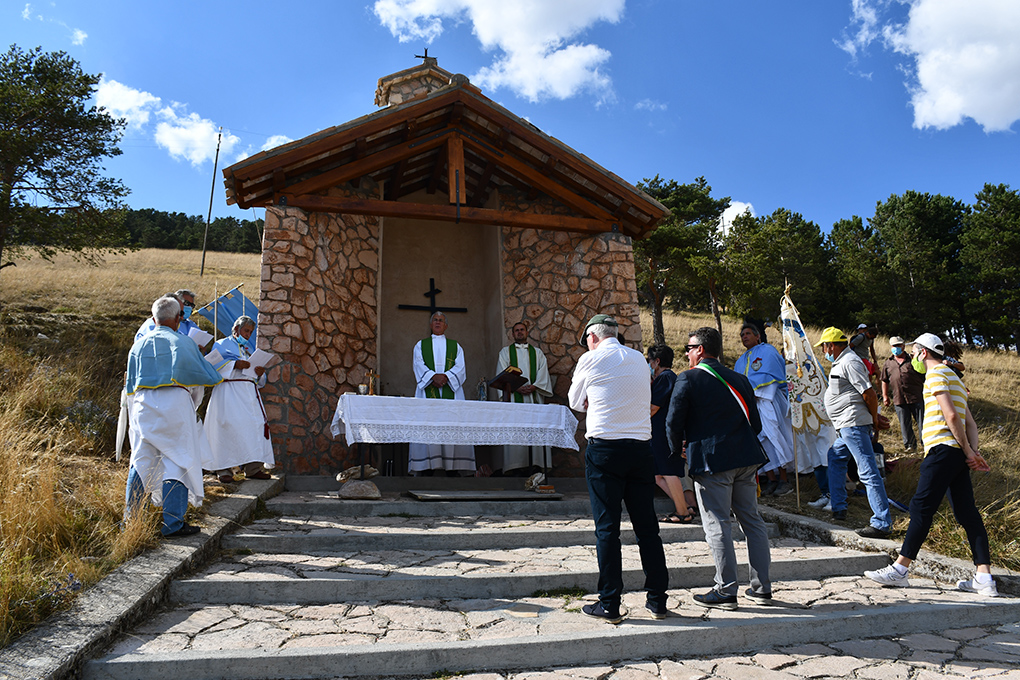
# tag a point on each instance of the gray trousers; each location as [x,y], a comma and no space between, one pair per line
[718,494]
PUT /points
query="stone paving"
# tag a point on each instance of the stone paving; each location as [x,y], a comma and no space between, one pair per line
[188,630]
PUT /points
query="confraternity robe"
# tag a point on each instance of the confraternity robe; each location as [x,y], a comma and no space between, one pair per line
[534,367]
[235,422]
[166,377]
[446,356]
[765,368]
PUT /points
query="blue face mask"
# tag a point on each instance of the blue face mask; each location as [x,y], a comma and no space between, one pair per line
[241,341]
[830,358]
[897,351]
[188,309]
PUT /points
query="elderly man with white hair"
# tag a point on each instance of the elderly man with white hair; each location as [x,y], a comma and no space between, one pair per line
[235,421]
[166,378]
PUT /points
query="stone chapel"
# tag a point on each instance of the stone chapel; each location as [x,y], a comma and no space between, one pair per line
[439,199]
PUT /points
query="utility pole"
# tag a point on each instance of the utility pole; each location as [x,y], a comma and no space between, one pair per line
[212,190]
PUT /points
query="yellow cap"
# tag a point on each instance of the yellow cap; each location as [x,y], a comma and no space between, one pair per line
[832,334]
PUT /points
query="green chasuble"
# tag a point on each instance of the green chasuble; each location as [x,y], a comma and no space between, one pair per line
[433,392]
[532,362]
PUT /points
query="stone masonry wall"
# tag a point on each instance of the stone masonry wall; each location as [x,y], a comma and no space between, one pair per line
[318,311]
[556,281]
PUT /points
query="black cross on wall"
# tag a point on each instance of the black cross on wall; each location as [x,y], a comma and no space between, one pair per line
[432,307]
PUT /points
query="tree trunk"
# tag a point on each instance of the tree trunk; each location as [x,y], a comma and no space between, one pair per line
[658,332]
[715,308]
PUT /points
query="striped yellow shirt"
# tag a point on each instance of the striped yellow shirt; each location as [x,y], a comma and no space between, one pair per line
[936,431]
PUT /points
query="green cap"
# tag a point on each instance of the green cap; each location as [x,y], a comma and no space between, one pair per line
[594,321]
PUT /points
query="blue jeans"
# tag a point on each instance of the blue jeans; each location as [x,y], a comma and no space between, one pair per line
[856,442]
[623,471]
[175,501]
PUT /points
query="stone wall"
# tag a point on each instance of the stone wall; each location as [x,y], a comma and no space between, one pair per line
[318,311]
[556,281]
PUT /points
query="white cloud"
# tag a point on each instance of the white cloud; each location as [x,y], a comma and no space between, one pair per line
[650,105]
[535,57]
[126,102]
[26,13]
[190,137]
[736,209]
[275,141]
[964,58]
[78,36]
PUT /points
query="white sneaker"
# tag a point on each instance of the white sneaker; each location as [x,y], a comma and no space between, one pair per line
[986,589]
[820,502]
[889,577]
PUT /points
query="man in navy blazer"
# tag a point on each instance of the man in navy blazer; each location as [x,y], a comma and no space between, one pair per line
[713,410]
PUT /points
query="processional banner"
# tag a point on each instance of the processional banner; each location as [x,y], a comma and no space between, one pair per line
[813,433]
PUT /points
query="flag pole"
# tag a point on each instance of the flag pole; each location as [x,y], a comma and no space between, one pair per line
[212,190]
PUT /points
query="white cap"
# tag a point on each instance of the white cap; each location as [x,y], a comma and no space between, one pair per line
[895,340]
[931,342]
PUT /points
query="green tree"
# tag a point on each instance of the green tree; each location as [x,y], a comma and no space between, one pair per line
[991,260]
[675,256]
[864,280]
[764,254]
[53,195]
[920,234]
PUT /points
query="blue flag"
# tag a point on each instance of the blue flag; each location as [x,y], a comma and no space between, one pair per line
[229,307]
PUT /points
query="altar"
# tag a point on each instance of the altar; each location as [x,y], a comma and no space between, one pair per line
[365,419]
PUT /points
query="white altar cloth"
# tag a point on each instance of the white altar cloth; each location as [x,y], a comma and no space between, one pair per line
[378,420]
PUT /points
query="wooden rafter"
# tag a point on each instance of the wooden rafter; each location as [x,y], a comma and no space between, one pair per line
[509,218]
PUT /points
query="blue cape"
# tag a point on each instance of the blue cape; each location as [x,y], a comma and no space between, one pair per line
[763,365]
[163,357]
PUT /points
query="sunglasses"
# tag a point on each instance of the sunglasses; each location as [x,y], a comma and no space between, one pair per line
[688,348]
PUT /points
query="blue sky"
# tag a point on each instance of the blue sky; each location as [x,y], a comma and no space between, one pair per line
[823,107]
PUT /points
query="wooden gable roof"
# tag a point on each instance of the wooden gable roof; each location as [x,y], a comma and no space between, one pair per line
[453,140]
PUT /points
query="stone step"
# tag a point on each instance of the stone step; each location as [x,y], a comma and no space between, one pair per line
[465,635]
[328,504]
[327,578]
[315,534]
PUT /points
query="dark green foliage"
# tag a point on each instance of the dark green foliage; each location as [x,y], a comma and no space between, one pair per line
[53,195]
[991,264]
[764,254]
[150,228]
[679,259]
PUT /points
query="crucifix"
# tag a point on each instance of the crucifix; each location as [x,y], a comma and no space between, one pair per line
[432,307]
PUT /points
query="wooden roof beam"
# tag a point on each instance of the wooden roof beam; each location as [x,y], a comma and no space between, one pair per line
[446,213]
[456,179]
[482,192]
[375,161]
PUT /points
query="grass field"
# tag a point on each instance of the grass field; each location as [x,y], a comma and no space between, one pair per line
[65,330]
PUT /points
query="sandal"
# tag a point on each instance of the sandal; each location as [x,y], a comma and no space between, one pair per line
[673,518]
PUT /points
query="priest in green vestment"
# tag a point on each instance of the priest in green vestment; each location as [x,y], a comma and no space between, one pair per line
[531,360]
[439,373]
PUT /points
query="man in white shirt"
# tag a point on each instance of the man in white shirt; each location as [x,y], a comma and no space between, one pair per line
[439,373]
[611,383]
[532,362]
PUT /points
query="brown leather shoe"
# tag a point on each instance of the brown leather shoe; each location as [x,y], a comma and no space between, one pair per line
[261,474]
[226,479]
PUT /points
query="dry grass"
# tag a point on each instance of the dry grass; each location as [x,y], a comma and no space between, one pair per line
[993,379]
[65,330]
[125,284]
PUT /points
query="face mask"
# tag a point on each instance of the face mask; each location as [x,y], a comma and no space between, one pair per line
[187,311]
[651,370]
[241,341]
[897,351]
[918,365]
[830,358]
